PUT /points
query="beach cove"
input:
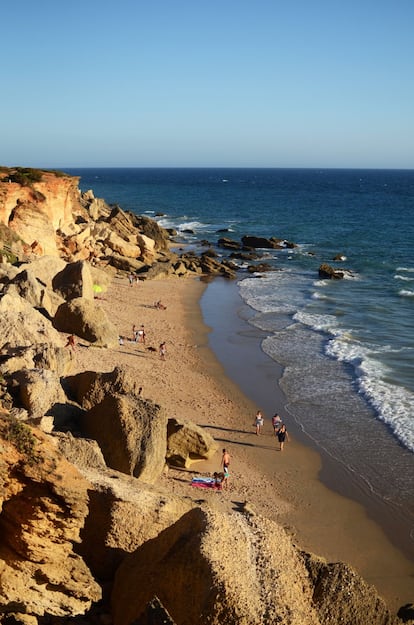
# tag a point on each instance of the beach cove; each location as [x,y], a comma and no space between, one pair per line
[192,384]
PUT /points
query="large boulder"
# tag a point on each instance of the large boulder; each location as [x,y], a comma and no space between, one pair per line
[89,388]
[43,506]
[195,558]
[40,391]
[34,291]
[74,281]
[152,230]
[28,339]
[84,318]
[123,247]
[187,442]
[356,601]
[131,433]
[124,514]
[45,268]
[228,244]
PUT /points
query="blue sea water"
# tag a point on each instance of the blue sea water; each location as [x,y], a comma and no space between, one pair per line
[346,346]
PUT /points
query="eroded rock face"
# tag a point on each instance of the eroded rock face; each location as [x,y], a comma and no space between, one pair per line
[43,503]
[194,559]
[356,601]
[75,280]
[124,514]
[28,339]
[90,387]
[35,212]
[131,433]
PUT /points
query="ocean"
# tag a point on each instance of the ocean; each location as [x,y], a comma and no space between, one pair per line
[345,347]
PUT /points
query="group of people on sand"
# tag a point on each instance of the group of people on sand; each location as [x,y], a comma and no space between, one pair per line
[139,336]
[279,428]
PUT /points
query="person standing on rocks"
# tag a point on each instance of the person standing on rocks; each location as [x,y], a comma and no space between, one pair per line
[71,342]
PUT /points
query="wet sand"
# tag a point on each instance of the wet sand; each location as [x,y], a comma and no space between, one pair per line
[223,396]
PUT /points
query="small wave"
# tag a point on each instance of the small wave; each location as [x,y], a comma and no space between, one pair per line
[321,282]
[406,293]
[405,278]
[317,295]
[408,269]
[192,225]
[325,323]
[394,405]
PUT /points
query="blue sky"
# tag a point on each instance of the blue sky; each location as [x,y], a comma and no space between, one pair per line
[181,83]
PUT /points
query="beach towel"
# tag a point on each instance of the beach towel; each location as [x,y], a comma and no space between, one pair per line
[205,482]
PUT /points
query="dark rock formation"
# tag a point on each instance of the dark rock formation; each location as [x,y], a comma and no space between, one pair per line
[228,244]
[328,272]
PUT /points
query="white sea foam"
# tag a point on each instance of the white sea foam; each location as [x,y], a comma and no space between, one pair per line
[406,293]
[405,278]
[408,269]
[192,225]
[321,323]
[393,404]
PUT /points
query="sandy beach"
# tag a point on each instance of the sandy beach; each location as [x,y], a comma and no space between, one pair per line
[191,384]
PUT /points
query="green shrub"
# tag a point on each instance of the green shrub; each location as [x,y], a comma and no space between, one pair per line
[22,438]
[25,176]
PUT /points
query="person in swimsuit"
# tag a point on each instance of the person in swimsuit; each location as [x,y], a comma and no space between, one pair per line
[276,422]
[282,436]
[259,422]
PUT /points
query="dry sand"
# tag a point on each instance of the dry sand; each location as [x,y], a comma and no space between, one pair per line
[190,384]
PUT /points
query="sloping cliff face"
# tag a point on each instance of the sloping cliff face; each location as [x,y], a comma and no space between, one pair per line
[43,505]
[36,210]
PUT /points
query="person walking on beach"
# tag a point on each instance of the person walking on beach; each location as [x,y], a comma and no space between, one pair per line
[141,334]
[225,459]
[282,436]
[276,423]
[162,350]
[259,422]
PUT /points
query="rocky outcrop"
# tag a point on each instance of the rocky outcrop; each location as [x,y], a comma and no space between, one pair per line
[34,291]
[131,433]
[328,272]
[357,602]
[84,318]
[28,339]
[89,388]
[75,280]
[44,213]
[192,559]
[43,504]
[124,515]
[188,442]
[35,205]
[263,242]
